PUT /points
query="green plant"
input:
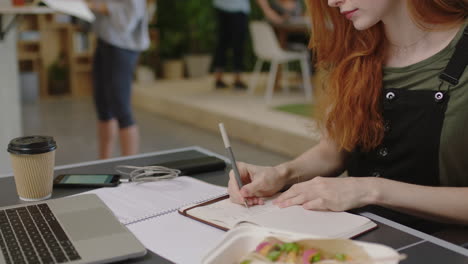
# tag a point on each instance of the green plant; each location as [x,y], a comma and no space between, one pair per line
[190,27]
[149,57]
[297,109]
[201,26]
[58,72]
[186,27]
[172,27]
[58,76]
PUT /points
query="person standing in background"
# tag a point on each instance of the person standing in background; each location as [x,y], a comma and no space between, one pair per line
[233,19]
[278,11]
[270,10]
[288,9]
[232,32]
[121,27]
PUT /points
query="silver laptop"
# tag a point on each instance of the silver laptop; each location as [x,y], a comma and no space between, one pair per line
[78,229]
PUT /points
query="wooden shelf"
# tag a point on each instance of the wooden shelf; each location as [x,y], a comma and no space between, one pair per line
[83,68]
[63,26]
[29,42]
[22,56]
[55,48]
[83,55]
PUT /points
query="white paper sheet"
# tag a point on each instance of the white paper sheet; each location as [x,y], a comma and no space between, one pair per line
[77,8]
[317,223]
[177,238]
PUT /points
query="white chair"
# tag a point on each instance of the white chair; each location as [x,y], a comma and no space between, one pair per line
[267,49]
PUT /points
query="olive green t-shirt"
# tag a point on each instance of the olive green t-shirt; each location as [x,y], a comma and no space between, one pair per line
[424,75]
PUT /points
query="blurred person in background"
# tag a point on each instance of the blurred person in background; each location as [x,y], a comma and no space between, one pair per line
[280,11]
[291,12]
[121,27]
[233,19]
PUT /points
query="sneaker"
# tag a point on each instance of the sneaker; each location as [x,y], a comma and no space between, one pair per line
[220,84]
[239,85]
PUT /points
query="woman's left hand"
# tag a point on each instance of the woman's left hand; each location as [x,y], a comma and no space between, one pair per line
[329,194]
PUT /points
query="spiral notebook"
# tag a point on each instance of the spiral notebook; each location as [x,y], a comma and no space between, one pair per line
[135,202]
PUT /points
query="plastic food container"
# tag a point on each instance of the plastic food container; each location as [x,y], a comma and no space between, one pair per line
[244,238]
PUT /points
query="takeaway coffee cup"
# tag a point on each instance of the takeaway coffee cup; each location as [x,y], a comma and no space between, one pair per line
[33,159]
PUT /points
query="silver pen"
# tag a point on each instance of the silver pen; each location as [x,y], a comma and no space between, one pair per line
[227,144]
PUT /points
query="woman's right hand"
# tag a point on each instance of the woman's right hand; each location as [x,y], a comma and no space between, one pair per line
[258,182]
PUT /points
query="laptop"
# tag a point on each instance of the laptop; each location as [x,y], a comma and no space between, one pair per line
[77,229]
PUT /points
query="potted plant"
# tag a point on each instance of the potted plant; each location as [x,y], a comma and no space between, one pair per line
[201,25]
[58,76]
[148,61]
[147,65]
[173,43]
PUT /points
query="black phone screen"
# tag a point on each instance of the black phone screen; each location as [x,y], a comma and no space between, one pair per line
[86,180]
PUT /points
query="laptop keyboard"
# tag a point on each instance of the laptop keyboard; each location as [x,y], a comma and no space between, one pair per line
[32,234]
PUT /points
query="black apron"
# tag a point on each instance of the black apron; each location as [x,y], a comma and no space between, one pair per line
[409,152]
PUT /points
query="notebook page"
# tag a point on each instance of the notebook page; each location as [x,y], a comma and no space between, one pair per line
[177,238]
[318,223]
[293,219]
[227,214]
[132,202]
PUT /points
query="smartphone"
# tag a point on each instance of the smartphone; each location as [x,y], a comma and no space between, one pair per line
[86,180]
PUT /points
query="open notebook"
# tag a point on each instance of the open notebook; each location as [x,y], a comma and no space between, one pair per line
[224,214]
[135,202]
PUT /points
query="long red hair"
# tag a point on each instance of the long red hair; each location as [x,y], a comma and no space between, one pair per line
[350,62]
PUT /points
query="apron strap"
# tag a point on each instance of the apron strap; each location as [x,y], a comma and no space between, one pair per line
[458,61]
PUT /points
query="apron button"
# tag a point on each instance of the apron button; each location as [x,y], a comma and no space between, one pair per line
[439,96]
[383,152]
[387,126]
[376,174]
[390,96]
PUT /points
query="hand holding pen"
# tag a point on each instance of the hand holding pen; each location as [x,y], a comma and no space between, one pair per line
[227,145]
[255,181]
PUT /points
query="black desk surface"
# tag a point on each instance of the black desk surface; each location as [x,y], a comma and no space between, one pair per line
[419,247]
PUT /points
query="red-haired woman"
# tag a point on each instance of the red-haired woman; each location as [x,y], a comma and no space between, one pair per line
[394,111]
